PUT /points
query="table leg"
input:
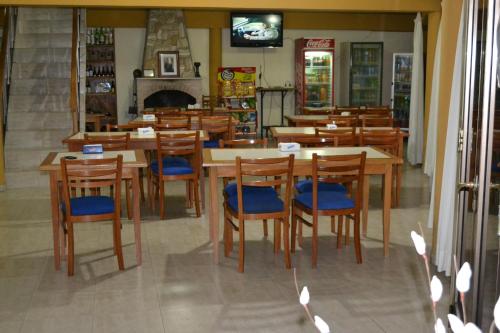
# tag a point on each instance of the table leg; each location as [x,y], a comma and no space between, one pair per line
[202,189]
[386,213]
[214,213]
[366,197]
[54,203]
[137,215]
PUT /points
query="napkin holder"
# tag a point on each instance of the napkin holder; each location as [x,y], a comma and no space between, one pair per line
[148,117]
[142,131]
[93,149]
[331,126]
[288,146]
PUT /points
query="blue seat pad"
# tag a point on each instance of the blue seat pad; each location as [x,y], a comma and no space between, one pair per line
[211,144]
[257,202]
[173,166]
[91,205]
[232,189]
[306,185]
[327,200]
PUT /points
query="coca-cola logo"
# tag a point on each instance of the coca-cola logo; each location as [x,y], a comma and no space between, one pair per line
[318,43]
[227,74]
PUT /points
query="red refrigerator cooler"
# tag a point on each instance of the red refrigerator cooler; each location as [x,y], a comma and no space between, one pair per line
[314,73]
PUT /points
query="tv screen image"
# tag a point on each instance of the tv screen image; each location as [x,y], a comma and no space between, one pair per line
[257,29]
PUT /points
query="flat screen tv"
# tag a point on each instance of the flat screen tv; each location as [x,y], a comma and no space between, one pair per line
[256,29]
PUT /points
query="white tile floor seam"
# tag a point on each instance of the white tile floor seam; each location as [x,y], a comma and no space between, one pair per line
[179,289]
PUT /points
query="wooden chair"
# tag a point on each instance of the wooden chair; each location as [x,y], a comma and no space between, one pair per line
[257,199]
[91,174]
[114,143]
[346,110]
[172,123]
[179,158]
[314,141]
[387,140]
[167,110]
[217,127]
[377,122]
[122,128]
[346,169]
[346,137]
[230,188]
[344,121]
[315,111]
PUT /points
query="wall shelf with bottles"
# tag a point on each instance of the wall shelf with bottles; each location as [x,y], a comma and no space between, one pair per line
[100,74]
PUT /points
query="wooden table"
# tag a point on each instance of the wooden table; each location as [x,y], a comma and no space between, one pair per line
[132,161]
[221,163]
[305,120]
[146,142]
[194,121]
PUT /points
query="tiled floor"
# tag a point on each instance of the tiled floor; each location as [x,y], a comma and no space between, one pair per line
[178,289]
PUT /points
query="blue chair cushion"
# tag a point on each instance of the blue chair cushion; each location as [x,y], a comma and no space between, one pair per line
[257,202]
[306,185]
[211,144]
[173,166]
[91,205]
[232,189]
[327,200]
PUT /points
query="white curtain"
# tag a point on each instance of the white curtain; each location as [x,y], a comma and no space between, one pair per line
[416,139]
[430,147]
[448,186]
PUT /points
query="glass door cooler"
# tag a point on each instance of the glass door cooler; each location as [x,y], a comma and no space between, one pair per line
[314,60]
[401,87]
[366,74]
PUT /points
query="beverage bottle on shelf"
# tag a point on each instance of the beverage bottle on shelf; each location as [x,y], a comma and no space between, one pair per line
[112,72]
[88,87]
[101,37]
[91,71]
[110,36]
[112,87]
[98,72]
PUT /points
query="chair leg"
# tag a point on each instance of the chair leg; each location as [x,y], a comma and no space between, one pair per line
[189,196]
[286,242]
[141,185]
[294,229]
[227,230]
[241,261]
[299,238]
[128,189]
[118,242]
[196,197]
[277,236]
[264,227]
[357,239]
[71,250]
[161,198]
[332,224]
[315,242]
[347,231]
[339,232]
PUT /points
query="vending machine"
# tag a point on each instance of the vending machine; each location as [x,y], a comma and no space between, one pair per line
[401,87]
[314,63]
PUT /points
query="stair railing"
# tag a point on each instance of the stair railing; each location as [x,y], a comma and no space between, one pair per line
[7,46]
[75,78]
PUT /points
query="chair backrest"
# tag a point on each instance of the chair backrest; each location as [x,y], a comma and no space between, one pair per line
[263,172]
[344,121]
[346,110]
[91,174]
[173,123]
[387,140]
[341,169]
[345,136]
[122,128]
[217,127]
[179,144]
[167,110]
[243,143]
[315,141]
[314,111]
[377,122]
[108,142]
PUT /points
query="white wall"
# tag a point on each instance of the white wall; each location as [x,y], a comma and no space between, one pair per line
[278,64]
[129,50]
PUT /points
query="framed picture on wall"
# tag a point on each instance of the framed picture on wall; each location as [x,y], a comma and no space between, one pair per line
[168,64]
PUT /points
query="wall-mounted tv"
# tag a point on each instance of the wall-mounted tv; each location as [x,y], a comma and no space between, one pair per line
[256,29]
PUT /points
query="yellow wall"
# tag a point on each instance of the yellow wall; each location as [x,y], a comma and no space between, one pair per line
[450,21]
[137,18]
[408,6]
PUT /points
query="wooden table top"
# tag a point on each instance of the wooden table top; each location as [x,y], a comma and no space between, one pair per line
[131,158]
[227,156]
[134,136]
[308,131]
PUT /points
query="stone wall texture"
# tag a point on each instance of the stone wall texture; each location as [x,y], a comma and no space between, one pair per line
[166,31]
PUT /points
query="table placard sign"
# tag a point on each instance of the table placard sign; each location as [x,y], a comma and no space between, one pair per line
[331,126]
[145,131]
[288,146]
[93,149]
[148,117]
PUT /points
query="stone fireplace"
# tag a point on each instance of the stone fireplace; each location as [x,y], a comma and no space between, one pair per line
[149,86]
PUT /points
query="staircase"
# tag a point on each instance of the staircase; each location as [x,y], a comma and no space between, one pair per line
[39,117]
